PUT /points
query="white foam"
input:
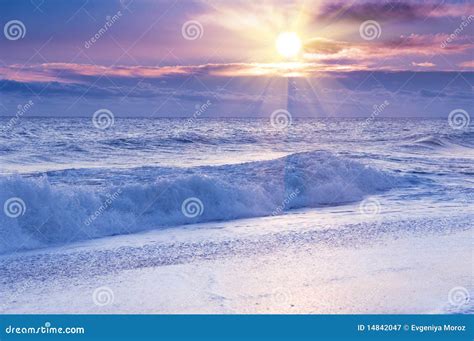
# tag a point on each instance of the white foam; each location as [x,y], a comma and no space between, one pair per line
[64,213]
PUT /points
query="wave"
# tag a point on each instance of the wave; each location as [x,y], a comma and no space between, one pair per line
[177,139]
[431,141]
[463,139]
[65,212]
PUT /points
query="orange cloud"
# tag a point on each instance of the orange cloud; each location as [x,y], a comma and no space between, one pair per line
[376,53]
[80,73]
[469,64]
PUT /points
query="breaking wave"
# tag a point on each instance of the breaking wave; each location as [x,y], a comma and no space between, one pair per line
[62,213]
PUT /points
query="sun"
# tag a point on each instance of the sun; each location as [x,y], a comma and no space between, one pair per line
[288,44]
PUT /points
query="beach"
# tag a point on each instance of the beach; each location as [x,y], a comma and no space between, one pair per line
[253,266]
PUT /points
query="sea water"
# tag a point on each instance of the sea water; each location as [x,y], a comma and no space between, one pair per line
[64,179]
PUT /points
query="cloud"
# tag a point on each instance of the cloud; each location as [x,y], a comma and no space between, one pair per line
[85,73]
[321,56]
[424,64]
[388,52]
[469,64]
[392,10]
[70,71]
[403,45]
[412,93]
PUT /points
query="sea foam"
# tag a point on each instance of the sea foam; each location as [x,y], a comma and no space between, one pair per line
[62,213]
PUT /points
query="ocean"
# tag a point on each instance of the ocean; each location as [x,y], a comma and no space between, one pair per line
[75,181]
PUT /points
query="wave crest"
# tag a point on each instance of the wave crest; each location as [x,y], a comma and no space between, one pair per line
[463,139]
[65,213]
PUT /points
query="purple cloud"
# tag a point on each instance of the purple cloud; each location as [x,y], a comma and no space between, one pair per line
[393,10]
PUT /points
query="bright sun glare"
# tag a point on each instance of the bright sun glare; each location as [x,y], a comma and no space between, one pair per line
[288,44]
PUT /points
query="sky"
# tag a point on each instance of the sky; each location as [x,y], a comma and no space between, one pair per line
[167,58]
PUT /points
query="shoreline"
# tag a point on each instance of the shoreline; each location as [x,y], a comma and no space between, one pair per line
[251,266]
